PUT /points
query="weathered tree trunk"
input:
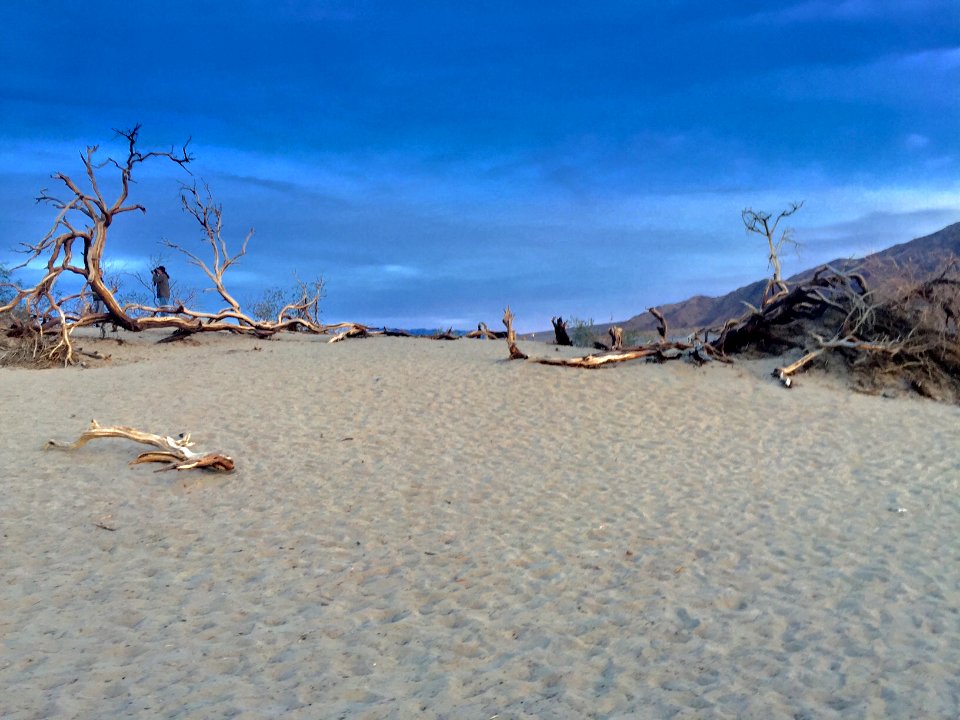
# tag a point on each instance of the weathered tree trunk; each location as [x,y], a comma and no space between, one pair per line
[515,353]
[560,331]
[662,327]
[616,338]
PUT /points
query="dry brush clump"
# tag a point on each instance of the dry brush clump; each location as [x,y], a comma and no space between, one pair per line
[916,336]
[906,339]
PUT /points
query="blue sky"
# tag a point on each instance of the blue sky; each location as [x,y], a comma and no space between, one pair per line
[436,161]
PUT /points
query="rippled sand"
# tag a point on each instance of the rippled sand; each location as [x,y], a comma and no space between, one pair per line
[420,529]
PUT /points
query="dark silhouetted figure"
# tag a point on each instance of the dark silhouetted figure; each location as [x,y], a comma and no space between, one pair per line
[161,285]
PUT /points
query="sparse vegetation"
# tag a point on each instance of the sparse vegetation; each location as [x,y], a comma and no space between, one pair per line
[581,332]
[6,286]
[271,304]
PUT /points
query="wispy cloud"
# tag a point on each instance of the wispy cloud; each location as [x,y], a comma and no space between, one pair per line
[874,231]
[819,11]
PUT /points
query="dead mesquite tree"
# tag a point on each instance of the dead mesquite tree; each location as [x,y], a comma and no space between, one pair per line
[209,215]
[764,224]
[909,339]
[76,243]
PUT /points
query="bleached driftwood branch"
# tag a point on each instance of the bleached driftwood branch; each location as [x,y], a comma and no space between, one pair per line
[697,350]
[515,353]
[175,452]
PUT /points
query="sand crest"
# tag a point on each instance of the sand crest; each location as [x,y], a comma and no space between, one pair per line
[420,529]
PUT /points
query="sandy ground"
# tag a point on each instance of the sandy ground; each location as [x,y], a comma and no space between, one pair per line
[419,529]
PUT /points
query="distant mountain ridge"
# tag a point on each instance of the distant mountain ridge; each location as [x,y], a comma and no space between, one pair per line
[913,260]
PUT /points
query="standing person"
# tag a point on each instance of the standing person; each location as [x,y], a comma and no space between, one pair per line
[161,285]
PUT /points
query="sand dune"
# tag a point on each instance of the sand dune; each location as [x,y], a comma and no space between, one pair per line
[420,529]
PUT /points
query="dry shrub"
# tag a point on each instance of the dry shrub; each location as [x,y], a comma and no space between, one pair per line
[901,337]
[919,324]
[23,349]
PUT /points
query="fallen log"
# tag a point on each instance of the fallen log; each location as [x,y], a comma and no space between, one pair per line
[698,351]
[174,452]
[661,352]
[353,331]
[598,359]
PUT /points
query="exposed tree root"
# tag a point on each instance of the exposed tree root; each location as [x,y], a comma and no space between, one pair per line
[911,337]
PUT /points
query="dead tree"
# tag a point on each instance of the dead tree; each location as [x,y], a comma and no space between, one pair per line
[828,289]
[764,224]
[661,324]
[560,331]
[75,246]
[515,353]
[616,337]
[906,339]
[76,249]
[209,215]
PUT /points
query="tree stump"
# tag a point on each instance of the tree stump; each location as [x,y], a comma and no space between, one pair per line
[616,338]
[560,331]
[515,353]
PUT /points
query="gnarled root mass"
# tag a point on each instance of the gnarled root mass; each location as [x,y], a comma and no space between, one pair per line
[175,452]
[908,338]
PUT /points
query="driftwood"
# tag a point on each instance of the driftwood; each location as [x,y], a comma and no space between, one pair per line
[354,331]
[697,351]
[360,331]
[486,333]
[515,353]
[174,452]
[447,334]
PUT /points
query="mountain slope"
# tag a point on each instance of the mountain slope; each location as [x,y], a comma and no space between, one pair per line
[909,261]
